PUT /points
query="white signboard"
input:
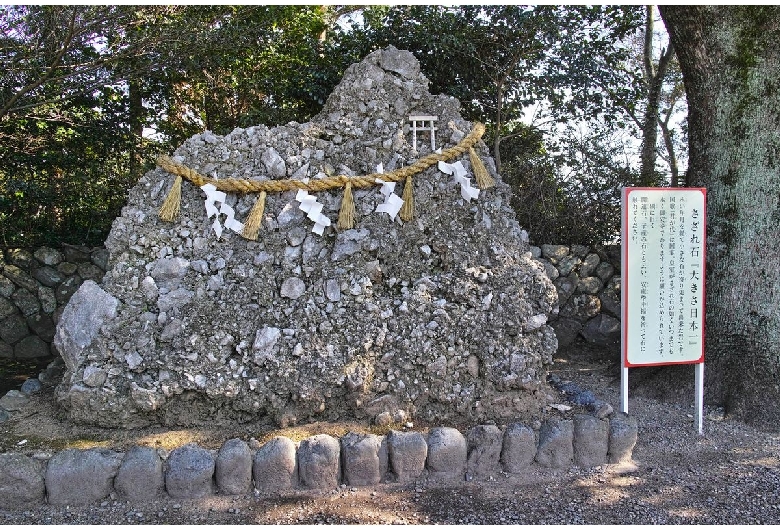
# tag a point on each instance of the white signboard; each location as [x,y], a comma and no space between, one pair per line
[663,269]
[662,283]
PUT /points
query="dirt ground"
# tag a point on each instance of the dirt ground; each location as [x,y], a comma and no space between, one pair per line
[728,475]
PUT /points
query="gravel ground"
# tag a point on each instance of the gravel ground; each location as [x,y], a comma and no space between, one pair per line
[730,475]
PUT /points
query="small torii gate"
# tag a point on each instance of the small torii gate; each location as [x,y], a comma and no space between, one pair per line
[426,123]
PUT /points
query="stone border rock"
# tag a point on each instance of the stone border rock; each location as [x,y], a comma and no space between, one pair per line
[318,463]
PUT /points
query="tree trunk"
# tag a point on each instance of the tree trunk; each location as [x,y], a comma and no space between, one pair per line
[654,78]
[667,136]
[136,111]
[499,124]
[730,60]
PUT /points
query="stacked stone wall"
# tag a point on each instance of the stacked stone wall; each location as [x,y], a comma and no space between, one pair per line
[588,283]
[35,286]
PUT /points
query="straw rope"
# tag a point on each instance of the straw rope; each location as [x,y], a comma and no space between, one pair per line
[338,181]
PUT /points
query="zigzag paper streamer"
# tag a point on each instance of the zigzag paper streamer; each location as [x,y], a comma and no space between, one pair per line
[313,211]
[393,202]
[467,191]
[214,196]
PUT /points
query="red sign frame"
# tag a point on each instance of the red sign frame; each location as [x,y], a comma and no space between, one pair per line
[640,230]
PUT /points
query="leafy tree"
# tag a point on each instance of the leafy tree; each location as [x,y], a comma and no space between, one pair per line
[730,61]
[244,65]
[61,142]
[80,84]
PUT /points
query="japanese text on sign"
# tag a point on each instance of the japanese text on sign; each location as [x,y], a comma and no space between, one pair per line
[663,275]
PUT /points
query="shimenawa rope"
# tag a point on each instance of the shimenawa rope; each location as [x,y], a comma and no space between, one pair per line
[171,206]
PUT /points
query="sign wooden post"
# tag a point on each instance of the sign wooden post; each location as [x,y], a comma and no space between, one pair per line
[663,239]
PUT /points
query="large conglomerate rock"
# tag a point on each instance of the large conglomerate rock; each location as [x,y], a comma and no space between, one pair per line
[443,317]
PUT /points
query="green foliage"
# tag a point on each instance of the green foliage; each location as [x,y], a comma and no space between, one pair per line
[245,65]
[63,179]
[79,84]
[572,197]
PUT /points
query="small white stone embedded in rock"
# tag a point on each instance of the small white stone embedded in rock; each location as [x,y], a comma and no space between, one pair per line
[133,360]
[94,376]
[170,269]
[149,289]
[274,163]
[535,322]
[332,290]
[293,288]
[487,300]
[265,341]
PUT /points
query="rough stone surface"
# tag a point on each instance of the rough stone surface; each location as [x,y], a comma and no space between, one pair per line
[555,252]
[275,466]
[318,462]
[48,256]
[407,452]
[21,481]
[447,453]
[81,477]
[623,431]
[13,329]
[42,325]
[6,306]
[234,467]
[567,330]
[20,278]
[566,265]
[364,459]
[484,443]
[610,298]
[189,472]
[31,347]
[518,449]
[582,307]
[588,285]
[556,444]
[26,301]
[603,330]
[589,264]
[14,400]
[441,316]
[6,351]
[591,440]
[48,276]
[89,308]
[140,476]
[31,386]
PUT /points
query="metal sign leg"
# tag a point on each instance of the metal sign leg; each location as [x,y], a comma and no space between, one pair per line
[624,389]
[699,382]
